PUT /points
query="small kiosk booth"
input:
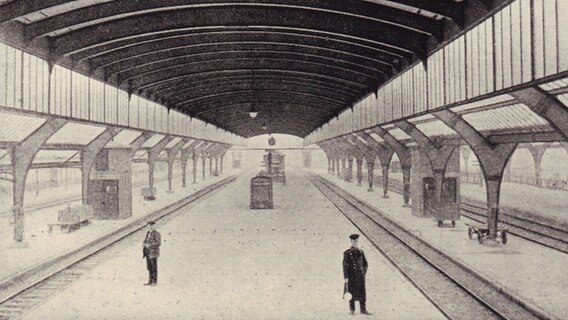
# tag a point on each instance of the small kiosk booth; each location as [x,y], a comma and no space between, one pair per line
[110,188]
[261,192]
[423,188]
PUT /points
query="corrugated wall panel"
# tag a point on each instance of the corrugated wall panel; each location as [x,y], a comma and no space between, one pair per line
[550,37]
[489,61]
[499,68]
[420,96]
[516,44]
[562,35]
[381,105]
[11,80]
[143,114]
[538,40]
[133,112]
[448,73]
[3,74]
[526,55]
[45,86]
[29,82]
[374,110]
[388,102]
[123,112]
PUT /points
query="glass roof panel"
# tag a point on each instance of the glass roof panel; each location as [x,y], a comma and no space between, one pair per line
[124,138]
[421,118]
[4,157]
[173,142]
[153,141]
[435,128]
[59,9]
[199,144]
[408,8]
[351,140]
[376,137]
[361,139]
[16,127]
[140,154]
[190,141]
[76,133]
[563,98]
[482,103]
[398,134]
[58,156]
[553,85]
[517,116]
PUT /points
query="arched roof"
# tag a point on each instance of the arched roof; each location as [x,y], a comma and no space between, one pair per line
[298,62]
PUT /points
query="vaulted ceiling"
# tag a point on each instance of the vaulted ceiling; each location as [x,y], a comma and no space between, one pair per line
[298,62]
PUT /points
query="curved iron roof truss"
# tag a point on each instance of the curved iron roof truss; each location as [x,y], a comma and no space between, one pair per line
[298,62]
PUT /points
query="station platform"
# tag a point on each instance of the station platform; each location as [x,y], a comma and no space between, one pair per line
[221,260]
[43,246]
[542,204]
[516,267]
[539,204]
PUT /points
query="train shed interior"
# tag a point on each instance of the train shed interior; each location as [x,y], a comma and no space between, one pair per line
[259,134]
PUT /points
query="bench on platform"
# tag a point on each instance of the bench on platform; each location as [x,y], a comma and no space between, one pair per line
[72,218]
[68,226]
[149,193]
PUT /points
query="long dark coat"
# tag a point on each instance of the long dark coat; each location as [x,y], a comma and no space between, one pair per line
[354,268]
[153,240]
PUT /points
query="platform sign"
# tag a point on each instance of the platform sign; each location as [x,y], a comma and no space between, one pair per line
[261,193]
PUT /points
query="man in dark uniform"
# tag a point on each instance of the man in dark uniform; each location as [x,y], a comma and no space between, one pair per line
[151,252]
[354,270]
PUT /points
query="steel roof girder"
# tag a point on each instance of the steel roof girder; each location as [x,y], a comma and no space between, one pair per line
[107,10]
[124,49]
[140,79]
[400,149]
[196,93]
[546,106]
[252,94]
[172,89]
[159,64]
[283,104]
[121,59]
[395,37]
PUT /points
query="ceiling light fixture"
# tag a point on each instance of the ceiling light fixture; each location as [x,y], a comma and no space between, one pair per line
[253,112]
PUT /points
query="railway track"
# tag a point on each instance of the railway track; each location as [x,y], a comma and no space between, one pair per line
[457,291]
[57,276]
[528,229]
[543,234]
[68,199]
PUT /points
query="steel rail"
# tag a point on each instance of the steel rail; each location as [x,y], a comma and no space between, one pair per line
[455,289]
[40,283]
[538,232]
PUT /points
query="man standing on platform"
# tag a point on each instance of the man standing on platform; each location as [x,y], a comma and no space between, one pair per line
[151,252]
[354,270]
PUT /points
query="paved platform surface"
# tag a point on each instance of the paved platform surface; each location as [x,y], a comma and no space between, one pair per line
[546,203]
[221,260]
[537,202]
[72,188]
[43,245]
[533,272]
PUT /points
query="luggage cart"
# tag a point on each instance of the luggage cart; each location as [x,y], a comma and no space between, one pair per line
[482,232]
[449,211]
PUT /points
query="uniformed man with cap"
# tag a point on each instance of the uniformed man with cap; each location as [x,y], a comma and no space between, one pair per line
[151,252]
[354,270]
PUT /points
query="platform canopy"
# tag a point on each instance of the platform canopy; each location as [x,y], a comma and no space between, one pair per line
[298,63]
